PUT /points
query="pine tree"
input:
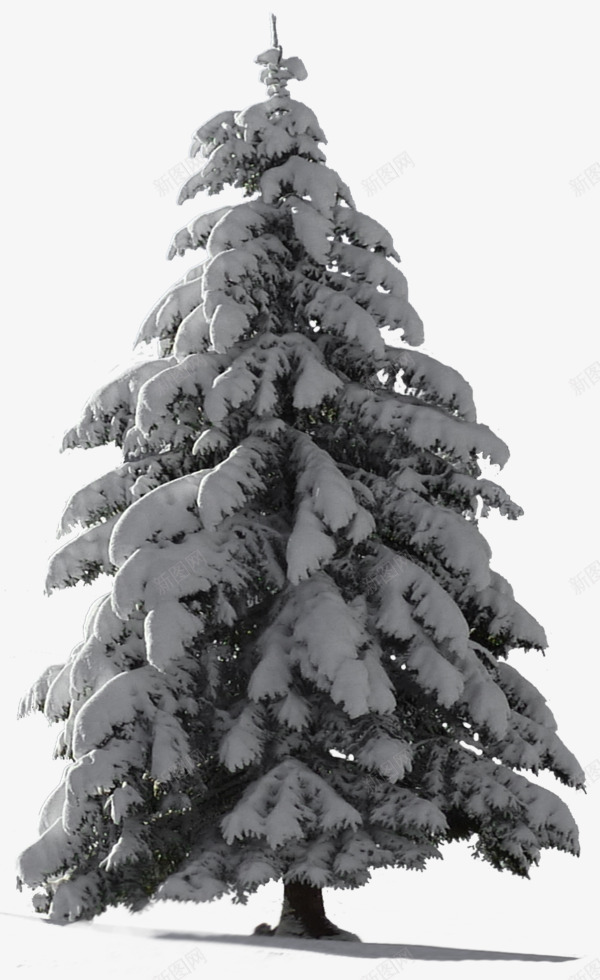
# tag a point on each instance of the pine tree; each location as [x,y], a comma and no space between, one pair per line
[300,672]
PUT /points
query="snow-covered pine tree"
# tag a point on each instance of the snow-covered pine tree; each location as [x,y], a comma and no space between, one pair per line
[300,671]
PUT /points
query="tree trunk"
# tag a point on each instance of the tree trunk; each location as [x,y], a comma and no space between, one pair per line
[303,915]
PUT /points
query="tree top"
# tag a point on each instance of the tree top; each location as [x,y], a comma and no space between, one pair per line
[277,69]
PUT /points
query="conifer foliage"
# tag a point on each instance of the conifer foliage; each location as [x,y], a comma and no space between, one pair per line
[300,671]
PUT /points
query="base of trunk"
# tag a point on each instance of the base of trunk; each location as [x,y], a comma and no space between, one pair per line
[328,931]
[303,916]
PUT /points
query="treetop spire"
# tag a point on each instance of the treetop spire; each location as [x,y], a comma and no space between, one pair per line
[274,40]
[278,70]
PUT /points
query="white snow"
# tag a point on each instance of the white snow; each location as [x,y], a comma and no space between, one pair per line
[163,512]
[314,382]
[178,301]
[170,747]
[431,376]
[196,233]
[364,229]
[91,545]
[350,687]
[338,312]
[389,756]
[323,483]
[272,674]
[308,546]
[509,614]
[238,382]
[129,845]
[227,324]
[226,487]
[425,425]
[463,546]
[371,267]
[243,742]
[317,182]
[286,802]
[167,628]
[111,400]
[216,940]
[312,229]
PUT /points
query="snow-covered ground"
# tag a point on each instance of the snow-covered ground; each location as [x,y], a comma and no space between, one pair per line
[172,941]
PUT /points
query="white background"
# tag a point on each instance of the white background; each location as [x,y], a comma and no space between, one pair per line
[497,106]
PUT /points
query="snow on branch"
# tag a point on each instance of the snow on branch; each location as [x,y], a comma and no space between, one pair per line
[83,558]
[303,178]
[286,803]
[196,233]
[426,426]
[37,694]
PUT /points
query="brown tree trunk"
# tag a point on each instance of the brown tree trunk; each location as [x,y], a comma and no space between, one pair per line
[303,915]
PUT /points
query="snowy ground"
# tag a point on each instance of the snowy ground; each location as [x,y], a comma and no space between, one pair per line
[210,941]
[36,949]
